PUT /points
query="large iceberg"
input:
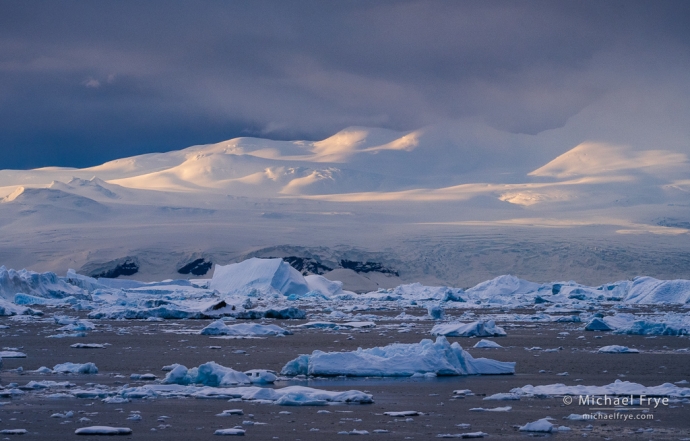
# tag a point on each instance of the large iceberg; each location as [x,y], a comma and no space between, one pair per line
[649,290]
[258,277]
[397,360]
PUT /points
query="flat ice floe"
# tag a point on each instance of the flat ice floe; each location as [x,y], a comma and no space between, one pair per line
[243,329]
[397,360]
[616,388]
[75,368]
[480,328]
[286,396]
[103,430]
[617,349]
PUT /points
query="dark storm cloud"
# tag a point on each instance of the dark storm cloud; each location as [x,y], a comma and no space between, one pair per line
[83,82]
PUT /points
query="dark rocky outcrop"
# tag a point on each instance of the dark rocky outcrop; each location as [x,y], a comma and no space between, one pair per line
[198,267]
[125,266]
[367,267]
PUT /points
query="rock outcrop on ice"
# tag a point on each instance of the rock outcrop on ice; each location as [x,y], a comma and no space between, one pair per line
[397,360]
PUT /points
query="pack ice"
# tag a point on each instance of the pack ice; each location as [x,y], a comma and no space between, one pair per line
[397,360]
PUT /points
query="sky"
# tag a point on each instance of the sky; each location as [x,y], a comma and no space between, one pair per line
[84,82]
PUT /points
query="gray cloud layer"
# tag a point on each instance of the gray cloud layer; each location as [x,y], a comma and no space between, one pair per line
[83,82]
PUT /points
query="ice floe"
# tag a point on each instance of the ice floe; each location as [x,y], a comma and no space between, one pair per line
[542,425]
[626,323]
[617,349]
[236,431]
[618,387]
[103,430]
[486,344]
[208,374]
[75,368]
[480,328]
[397,360]
[12,354]
[466,435]
[286,396]
[220,328]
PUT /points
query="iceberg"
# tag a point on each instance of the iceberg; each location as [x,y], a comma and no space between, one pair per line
[480,328]
[8,309]
[258,277]
[542,425]
[503,290]
[286,396]
[75,368]
[208,374]
[220,328]
[47,285]
[625,323]
[103,430]
[397,360]
[648,290]
[616,388]
[616,349]
[486,344]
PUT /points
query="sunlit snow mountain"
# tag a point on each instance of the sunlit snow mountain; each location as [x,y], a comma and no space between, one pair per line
[454,203]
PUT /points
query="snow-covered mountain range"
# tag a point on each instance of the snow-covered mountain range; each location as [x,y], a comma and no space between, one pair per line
[576,202]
